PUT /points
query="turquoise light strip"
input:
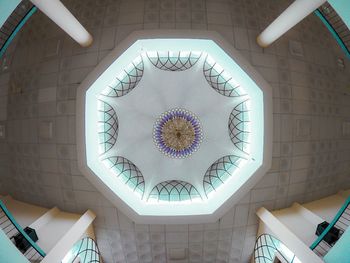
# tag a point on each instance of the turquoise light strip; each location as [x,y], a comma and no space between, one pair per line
[333,32]
[334,221]
[20,230]
[17,29]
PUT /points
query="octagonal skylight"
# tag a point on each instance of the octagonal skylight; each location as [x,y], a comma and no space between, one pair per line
[173,129]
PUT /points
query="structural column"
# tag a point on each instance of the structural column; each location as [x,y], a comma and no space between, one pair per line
[59,14]
[296,12]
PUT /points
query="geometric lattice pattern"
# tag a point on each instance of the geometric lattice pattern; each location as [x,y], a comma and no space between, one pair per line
[219,172]
[266,247]
[107,126]
[219,80]
[126,81]
[174,191]
[173,61]
[127,172]
[177,133]
[84,251]
[239,126]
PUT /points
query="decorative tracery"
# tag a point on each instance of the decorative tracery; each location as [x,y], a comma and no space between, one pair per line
[219,172]
[127,172]
[174,191]
[107,126]
[239,126]
[219,80]
[177,132]
[173,61]
[127,80]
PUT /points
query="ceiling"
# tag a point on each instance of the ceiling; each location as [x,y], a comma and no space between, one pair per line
[143,85]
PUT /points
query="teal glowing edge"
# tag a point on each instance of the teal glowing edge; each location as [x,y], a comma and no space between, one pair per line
[20,229]
[17,29]
[130,191]
[333,32]
[329,227]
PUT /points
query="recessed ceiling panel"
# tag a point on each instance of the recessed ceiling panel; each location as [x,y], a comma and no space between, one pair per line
[174,129]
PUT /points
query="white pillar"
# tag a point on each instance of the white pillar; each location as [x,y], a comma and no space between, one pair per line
[59,14]
[296,12]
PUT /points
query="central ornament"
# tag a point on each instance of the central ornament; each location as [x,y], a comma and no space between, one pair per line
[177,133]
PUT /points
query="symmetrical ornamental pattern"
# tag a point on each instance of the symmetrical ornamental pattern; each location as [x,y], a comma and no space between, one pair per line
[219,80]
[239,126]
[126,81]
[107,126]
[174,191]
[84,251]
[267,246]
[127,172]
[177,133]
[173,61]
[219,172]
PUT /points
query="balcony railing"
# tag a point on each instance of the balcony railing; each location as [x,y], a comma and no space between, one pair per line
[336,26]
[12,229]
[267,246]
[341,221]
[14,23]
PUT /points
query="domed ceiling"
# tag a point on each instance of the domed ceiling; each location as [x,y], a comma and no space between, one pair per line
[174,129]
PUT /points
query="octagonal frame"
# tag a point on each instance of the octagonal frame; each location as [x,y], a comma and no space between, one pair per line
[229,202]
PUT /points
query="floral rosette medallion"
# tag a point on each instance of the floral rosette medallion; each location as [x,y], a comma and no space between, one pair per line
[177,133]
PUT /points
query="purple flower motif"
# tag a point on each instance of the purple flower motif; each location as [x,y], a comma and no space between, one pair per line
[177,133]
